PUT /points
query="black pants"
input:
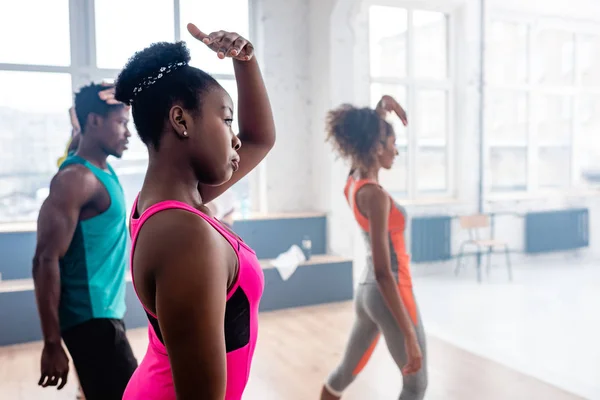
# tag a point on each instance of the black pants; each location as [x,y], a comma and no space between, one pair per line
[102,356]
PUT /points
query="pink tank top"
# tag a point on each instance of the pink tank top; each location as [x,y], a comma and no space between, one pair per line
[153,379]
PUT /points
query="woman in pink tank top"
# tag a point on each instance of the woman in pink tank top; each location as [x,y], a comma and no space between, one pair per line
[198,282]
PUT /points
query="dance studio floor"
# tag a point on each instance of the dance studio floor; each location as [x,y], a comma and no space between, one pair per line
[544,324]
[296,350]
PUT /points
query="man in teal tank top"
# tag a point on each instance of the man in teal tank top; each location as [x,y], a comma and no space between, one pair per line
[80,260]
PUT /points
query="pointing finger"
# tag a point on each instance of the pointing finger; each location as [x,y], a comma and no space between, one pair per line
[197,33]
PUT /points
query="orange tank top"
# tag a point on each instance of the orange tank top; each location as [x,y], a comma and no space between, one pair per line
[396,228]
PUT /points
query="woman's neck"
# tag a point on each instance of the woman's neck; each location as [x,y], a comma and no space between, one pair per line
[168,181]
[370,174]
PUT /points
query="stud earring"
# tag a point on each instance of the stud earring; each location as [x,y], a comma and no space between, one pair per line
[184,133]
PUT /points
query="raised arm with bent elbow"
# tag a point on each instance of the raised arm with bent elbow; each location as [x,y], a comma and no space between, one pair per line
[256,123]
[57,220]
[389,104]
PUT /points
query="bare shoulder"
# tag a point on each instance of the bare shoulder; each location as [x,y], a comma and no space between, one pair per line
[178,238]
[74,182]
[178,227]
[372,197]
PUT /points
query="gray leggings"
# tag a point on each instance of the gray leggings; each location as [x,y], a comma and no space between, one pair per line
[372,317]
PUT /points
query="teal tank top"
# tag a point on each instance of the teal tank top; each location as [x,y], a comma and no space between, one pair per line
[92,272]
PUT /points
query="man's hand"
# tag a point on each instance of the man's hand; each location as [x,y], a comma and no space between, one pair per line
[225,44]
[55,366]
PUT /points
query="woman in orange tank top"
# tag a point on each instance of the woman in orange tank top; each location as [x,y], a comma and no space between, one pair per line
[384,299]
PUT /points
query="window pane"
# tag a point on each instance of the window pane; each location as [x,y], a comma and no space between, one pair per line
[35,32]
[508,168]
[394,180]
[506,52]
[211,16]
[388,27]
[553,115]
[506,117]
[242,199]
[553,57]
[34,131]
[124,27]
[431,169]
[431,44]
[554,167]
[432,120]
[588,134]
[589,60]
[398,92]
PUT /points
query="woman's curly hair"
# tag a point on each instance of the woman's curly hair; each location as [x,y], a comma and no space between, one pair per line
[355,133]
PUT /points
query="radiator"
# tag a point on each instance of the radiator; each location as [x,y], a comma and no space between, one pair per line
[556,230]
[430,239]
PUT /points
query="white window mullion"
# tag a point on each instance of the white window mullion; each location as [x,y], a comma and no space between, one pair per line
[411,178]
[575,137]
[449,148]
[532,153]
[532,147]
[450,129]
[177,20]
[35,68]
[91,33]
[574,144]
[390,81]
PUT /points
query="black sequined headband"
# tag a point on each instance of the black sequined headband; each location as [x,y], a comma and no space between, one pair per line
[151,80]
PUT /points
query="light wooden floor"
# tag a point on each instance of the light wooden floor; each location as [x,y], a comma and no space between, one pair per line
[298,348]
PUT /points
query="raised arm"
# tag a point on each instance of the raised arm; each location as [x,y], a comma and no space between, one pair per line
[378,213]
[389,104]
[191,276]
[70,190]
[255,118]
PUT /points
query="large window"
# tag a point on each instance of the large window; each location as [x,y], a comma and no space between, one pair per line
[86,41]
[543,85]
[409,59]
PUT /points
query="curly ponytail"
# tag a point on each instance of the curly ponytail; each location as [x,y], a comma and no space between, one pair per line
[355,133]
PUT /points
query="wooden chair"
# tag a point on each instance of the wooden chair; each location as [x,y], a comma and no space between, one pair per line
[473,223]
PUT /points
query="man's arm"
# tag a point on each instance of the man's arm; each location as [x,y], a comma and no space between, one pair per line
[190,265]
[70,190]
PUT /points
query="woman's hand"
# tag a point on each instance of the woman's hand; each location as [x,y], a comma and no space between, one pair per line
[225,44]
[108,94]
[413,355]
[389,104]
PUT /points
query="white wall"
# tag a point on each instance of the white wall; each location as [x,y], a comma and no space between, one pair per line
[315,59]
[282,33]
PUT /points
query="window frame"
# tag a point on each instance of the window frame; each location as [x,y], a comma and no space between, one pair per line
[574,90]
[412,85]
[83,69]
